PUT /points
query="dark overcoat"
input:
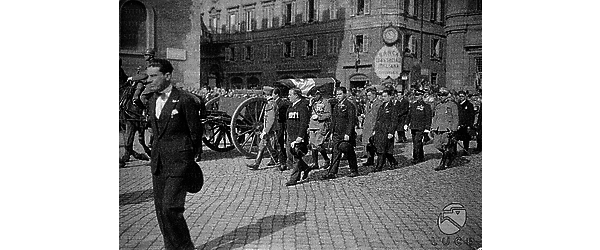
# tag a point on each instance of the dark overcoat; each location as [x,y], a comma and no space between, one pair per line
[385,123]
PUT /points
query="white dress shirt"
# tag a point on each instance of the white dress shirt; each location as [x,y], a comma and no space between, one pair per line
[162,99]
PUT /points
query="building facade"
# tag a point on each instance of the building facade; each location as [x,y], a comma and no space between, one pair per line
[251,43]
[464,55]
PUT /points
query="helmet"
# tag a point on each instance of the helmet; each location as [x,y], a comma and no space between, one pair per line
[150,51]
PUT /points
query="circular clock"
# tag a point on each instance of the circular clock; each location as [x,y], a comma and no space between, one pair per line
[390,35]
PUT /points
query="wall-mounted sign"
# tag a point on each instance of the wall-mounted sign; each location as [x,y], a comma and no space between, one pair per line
[176,54]
[388,62]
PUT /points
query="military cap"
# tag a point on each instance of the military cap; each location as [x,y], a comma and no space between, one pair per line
[268,90]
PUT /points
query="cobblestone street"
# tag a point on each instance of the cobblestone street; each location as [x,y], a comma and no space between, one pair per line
[240,208]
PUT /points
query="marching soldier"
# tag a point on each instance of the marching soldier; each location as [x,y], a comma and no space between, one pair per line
[344,135]
[268,134]
[419,120]
[383,132]
[298,115]
[444,125]
[318,128]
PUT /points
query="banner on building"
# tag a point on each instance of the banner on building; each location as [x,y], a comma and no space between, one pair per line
[388,62]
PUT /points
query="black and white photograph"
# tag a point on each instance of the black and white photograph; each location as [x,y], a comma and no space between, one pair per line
[300,124]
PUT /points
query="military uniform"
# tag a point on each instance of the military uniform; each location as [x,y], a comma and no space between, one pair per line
[318,128]
[270,126]
[444,125]
[343,122]
[419,119]
[298,115]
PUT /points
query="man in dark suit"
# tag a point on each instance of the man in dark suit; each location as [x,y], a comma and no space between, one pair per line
[383,131]
[282,106]
[175,120]
[298,115]
[419,119]
[466,119]
[402,105]
[344,135]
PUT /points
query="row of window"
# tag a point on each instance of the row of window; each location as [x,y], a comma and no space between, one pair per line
[359,45]
[244,18]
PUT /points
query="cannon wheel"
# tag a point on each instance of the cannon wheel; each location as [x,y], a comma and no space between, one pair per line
[217,136]
[246,125]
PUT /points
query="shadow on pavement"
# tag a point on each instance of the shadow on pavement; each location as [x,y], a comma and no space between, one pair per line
[262,228]
[136,197]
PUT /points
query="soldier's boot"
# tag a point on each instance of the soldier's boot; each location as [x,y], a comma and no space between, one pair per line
[325,157]
[128,152]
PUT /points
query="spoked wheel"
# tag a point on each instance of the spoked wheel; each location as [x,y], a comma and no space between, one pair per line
[247,124]
[217,134]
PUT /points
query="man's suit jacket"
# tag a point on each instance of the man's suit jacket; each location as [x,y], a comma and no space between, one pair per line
[402,105]
[297,121]
[466,114]
[420,115]
[385,123]
[343,121]
[177,134]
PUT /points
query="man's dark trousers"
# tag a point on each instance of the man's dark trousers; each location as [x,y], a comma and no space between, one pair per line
[169,199]
[417,138]
[337,156]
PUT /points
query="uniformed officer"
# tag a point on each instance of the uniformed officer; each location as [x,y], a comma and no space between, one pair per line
[383,132]
[344,136]
[466,120]
[443,126]
[419,120]
[298,115]
[270,126]
[318,127]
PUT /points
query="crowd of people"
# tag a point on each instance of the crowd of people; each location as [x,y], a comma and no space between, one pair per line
[383,115]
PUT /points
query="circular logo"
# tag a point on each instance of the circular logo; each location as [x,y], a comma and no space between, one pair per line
[452,219]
